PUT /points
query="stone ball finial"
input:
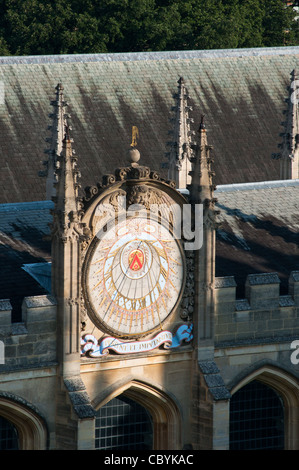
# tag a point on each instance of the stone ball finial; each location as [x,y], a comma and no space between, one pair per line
[134,156]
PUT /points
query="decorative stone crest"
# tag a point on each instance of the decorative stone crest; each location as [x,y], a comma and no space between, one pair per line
[129,174]
[143,195]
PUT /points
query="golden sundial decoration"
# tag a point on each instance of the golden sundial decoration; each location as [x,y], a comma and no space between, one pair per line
[134,278]
[135,136]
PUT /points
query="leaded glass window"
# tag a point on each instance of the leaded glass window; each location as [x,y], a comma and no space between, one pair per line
[8,435]
[256,418]
[123,424]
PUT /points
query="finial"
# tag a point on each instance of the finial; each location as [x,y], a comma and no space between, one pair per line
[202,125]
[67,132]
[67,136]
[134,154]
[181,152]
[59,86]
[56,140]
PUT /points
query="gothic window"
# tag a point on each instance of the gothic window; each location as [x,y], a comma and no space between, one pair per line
[123,424]
[8,435]
[256,418]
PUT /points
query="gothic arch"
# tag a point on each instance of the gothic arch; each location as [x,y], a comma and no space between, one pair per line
[31,427]
[165,413]
[288,388]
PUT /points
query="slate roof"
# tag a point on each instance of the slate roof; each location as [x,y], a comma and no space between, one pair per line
[23,227]
[258,234]
[241,92]
[259,231]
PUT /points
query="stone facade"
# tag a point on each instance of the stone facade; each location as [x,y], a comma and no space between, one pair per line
[54,379]
[252,338]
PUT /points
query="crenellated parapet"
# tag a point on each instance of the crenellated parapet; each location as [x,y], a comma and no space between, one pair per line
[31,342]
[262,290]
[263,313]
[5,316]
[294,286]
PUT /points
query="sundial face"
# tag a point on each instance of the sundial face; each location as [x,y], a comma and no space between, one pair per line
[133,278]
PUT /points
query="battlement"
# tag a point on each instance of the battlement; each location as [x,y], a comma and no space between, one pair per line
[36,309]
[261,291]
[32,341]
[262,313]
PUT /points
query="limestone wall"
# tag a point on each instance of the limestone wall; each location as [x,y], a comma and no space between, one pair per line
[32,342]
[29,366]
[256,333]
[263,314]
